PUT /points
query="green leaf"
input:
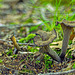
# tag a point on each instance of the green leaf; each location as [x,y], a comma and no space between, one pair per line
[73,66]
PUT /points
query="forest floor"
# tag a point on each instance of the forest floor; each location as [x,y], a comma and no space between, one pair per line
[17,20]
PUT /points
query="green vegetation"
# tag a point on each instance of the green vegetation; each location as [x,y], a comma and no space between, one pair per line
[15,55]
[27,39]
[48,62]
[57,11]
[34,28]
[32,49]
[50,25]
[37,62]
[1,60]
[73,66]
[9,52]
[26,71]
[22,60]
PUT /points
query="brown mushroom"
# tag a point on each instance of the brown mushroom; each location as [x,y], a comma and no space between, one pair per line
[67,27]
[43,39]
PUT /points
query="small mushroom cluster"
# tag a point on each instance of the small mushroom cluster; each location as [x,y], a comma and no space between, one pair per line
[43,39]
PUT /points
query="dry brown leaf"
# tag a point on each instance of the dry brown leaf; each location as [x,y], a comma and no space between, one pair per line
[56,44]
[69,51]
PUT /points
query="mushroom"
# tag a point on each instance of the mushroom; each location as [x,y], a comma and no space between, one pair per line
[43,39]
[67,27]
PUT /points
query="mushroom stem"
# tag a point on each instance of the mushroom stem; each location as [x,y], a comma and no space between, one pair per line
[51,53]
[67,31]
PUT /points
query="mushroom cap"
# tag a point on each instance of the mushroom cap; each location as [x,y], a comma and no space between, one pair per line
[66,23]
[43,38]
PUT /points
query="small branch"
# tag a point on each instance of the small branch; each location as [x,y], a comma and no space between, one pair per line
[13,39]
[2,41]
[61,73]
[26,52]
[30,44]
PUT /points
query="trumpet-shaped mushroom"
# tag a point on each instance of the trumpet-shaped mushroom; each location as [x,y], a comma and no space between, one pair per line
[67,27]
[43,39]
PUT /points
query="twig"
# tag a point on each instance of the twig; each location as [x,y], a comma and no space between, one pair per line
[30,44]
[13,39]
[69,51]
[60,73]
[26,52]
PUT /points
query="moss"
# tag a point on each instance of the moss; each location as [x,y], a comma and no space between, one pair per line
[37,62]
[9,52]
[32,49]
[1,60]
[26,39]
[15,56]
[73,65]
[48,63]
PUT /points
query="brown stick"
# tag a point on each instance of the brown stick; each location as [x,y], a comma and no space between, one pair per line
[13,39]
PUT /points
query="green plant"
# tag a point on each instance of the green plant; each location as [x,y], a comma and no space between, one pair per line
[0,5]
[27,39]
[25,71]
[24,66]
[73,65]
[47,24]
[22,60]
[15,56]
[32,49]
[37,62]
[10,52]
[71,2]
[1,60]
[48,63]
[1,0]
[33,28]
